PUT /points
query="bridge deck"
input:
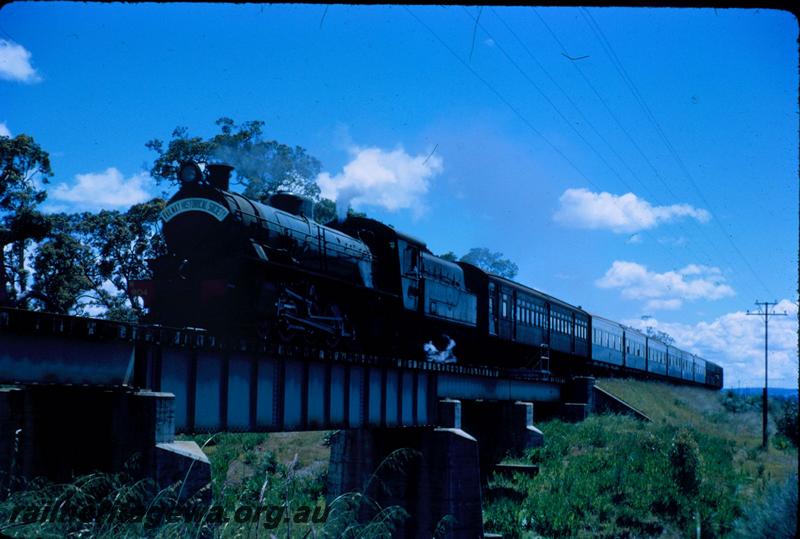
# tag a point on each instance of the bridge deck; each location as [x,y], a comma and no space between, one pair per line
[223,384]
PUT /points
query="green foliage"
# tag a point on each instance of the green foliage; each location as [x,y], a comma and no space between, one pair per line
[86,252]
[244,474]
[613,476]
[262,166]
[786,420]
[94,505]
[662,336]
[685,463]
[737,403]
[491,262]
[22,162]
[63,269]
[485,260]
[324,211]
[773,517]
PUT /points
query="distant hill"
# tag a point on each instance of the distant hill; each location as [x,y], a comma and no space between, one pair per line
[782,392]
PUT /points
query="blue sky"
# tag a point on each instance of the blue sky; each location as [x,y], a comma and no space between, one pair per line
[556,162]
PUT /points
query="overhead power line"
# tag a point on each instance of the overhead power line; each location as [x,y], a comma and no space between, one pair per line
[512,107]
[502,98]
[621,126]
[609,50]
[583,116]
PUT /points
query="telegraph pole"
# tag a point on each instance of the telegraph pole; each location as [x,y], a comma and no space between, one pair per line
[766,313]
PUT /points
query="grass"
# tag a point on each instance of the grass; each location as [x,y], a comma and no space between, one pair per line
[275,472]
[713,413]
[614,476]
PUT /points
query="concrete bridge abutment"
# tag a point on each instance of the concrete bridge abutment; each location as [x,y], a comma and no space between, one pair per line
[60,432]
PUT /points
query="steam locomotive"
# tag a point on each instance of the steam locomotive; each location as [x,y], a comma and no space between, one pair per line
[233,262]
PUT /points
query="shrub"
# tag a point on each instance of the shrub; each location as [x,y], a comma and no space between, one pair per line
[685,464]
[774,517]
[786,420]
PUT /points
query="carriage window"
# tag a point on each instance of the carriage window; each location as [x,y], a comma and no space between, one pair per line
[411,260]
[504,306]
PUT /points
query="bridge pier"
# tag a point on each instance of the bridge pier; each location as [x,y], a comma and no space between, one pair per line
[60,432]
[502,429]
[433,473]
[578,402]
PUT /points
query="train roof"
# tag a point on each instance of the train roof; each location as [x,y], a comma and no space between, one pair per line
[368,222]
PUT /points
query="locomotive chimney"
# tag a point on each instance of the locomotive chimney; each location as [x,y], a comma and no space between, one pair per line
[219,175]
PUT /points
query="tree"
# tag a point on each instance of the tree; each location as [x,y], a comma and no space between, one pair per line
[491,262]
[325,211]
[64,268]
[88,260]
[262,166]
[22,161]
[662,336]
[122,244]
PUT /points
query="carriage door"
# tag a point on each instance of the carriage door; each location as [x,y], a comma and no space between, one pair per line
[505,328]
[492,309]
[572,331]
[409,274]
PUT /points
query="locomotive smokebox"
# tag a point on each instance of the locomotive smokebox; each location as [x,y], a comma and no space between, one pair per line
[294,204]
[219,175]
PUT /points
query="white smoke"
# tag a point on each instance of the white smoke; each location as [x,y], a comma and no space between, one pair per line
[392,180]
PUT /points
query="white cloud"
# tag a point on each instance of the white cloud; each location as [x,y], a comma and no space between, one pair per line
[4,131]
[581,208]
[105,189]
[392,180]
[15,63]
[736,341]
[690,283]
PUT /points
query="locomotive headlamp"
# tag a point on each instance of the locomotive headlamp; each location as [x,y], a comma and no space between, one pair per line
[190,172]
